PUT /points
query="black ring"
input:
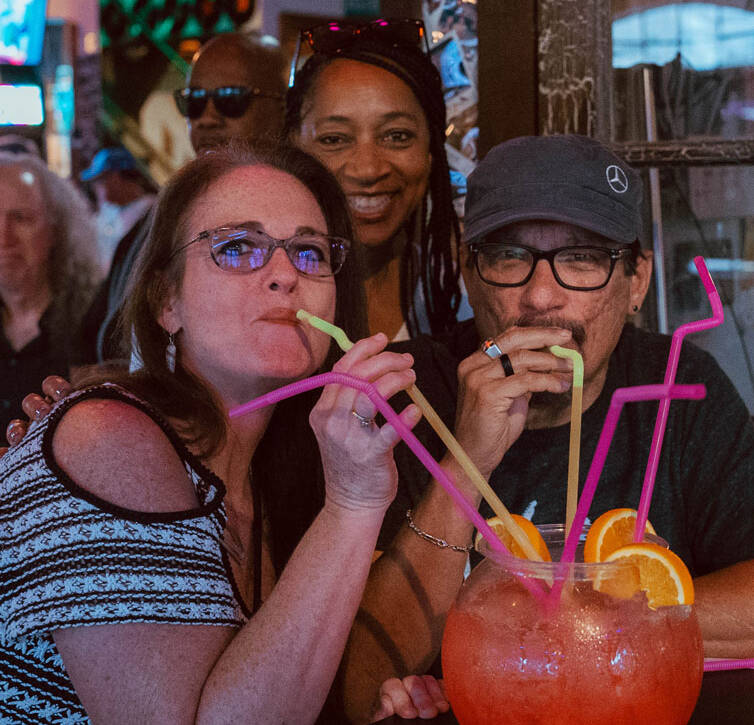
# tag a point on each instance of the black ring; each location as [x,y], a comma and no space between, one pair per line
[505,361]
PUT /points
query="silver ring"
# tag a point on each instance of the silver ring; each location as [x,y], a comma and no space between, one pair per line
[490,349]
[364,422]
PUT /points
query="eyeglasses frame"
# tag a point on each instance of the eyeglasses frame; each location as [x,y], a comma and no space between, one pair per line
[614,253]
[277,244]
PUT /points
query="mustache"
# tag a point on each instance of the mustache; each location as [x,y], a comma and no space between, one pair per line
[577,330]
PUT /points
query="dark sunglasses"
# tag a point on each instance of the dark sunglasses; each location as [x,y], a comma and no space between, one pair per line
[337,37]
[230,101]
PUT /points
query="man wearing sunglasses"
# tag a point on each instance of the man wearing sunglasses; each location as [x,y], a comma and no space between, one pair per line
[234,90]
[551,257]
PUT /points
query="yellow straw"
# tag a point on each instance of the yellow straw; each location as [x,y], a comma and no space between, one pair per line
[447,438]
[572,492]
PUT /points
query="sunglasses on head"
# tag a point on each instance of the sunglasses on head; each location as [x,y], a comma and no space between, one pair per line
[339,36]
[230,101]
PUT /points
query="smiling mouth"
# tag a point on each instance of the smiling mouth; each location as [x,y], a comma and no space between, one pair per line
[369,204]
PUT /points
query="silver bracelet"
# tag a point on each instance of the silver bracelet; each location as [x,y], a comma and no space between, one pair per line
[433,539]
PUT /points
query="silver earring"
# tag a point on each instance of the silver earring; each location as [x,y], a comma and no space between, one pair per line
[170,353]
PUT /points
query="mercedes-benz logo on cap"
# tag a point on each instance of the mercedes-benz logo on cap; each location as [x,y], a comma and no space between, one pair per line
[617,179]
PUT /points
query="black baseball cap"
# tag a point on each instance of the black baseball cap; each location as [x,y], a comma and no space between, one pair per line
[567,178]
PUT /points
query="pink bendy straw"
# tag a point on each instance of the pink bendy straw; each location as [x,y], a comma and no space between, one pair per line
[670,373]
[619,397]
[317,381]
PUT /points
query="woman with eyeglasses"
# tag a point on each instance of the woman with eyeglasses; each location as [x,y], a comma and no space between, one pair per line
[369,104]
[162,563]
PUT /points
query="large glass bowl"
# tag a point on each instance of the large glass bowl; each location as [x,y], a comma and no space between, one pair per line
[598,656]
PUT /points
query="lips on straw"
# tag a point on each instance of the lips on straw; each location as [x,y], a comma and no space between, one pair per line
[405,433]
[574,446]
[664,407]
[447,438]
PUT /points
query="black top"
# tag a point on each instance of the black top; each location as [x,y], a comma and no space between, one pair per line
[703,502]
[22,371]
[98,339]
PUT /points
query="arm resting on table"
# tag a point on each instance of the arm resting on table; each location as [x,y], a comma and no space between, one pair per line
[725,607]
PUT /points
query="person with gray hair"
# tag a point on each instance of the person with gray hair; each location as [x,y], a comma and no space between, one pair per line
[47,274]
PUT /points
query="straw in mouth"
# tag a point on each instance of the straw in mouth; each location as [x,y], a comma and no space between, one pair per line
[574,446]
[447,438]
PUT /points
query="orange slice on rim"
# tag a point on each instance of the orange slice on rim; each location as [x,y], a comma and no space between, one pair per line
[528,528]
[615,528]
[662,574]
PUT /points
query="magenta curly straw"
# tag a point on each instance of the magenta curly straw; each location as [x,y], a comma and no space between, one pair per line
[719,665]
[664,407]
[317,381]
[619,397]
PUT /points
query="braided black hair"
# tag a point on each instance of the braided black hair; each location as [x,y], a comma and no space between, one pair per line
[434,266]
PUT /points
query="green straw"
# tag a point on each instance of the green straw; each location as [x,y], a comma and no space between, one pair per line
[447,438]
[572,492]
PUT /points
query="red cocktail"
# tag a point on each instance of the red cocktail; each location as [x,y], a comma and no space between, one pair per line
[595,658]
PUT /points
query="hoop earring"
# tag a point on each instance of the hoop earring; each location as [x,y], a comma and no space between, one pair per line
[170,352]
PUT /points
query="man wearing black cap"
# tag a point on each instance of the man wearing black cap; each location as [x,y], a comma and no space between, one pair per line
[551,257]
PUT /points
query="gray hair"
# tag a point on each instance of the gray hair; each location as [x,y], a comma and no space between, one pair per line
[72,275]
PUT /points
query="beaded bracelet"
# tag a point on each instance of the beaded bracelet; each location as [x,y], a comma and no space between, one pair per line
[433,539]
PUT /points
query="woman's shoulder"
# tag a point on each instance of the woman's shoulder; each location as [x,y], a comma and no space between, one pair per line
[113,447]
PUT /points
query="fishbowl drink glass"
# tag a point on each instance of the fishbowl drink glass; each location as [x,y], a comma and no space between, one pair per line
[600,656]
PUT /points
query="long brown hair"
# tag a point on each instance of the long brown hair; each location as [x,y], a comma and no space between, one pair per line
[286,468]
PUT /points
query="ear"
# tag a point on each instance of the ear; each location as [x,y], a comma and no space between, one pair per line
[640,280]
[170,317]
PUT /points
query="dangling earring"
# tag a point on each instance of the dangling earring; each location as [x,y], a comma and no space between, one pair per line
[635,308]
[170,353]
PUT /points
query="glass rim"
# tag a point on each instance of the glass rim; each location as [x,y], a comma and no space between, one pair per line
[577,571]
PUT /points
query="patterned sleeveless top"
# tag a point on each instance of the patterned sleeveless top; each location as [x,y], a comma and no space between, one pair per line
[70,559]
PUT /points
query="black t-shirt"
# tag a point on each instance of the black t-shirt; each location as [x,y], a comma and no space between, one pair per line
[703,502]
[22,371]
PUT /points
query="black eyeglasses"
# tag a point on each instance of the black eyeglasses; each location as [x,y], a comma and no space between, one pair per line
[247,247]
[337,37]
[230,101]
[581,268]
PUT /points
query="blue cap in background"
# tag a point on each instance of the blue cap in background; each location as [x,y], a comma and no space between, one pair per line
[112,159]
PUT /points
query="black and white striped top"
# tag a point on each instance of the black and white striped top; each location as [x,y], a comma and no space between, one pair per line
[69,559]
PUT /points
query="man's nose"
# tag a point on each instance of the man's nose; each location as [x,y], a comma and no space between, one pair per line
[543,291]
[210,115]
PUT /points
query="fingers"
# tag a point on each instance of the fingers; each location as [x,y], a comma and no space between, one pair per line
[413,696]
[15,431]
[410,416]
[56,387]
[35,406]
[526,349]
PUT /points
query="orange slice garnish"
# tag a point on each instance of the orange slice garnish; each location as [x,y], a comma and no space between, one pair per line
[528,528]
[662,574]
[615,528]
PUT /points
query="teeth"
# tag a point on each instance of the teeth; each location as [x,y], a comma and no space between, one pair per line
[369,204]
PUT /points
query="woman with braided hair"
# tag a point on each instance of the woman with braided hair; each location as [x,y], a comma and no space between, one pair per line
[369,104]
